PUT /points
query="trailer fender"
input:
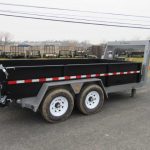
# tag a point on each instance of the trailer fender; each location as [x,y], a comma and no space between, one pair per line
[76,87]
[100,83]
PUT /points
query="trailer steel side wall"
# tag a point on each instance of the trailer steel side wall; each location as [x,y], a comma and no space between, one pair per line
[38,69]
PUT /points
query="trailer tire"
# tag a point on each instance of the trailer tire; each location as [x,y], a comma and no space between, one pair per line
[57,105]
[90,99]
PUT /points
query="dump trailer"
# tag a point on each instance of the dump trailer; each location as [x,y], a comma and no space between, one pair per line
[33,52]
[79,52]
[49,51]
[54,86]
[95,50]
[16,52]
[65,54]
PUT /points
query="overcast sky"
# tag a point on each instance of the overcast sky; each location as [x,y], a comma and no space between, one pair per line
[27,29]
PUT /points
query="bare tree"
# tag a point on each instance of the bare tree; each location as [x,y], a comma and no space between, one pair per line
[7,37]
[1,37]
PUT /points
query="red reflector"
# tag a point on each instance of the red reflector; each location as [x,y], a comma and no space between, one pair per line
[88,76]
[97,75]
[28,81]
[55,79]
[67,77]
[42,80]
[12,82]
[106,74]
[78,76]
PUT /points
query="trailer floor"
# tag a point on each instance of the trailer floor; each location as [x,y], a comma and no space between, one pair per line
[124,124]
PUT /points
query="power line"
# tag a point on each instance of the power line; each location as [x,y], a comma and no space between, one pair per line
[60,17]
[98,17]
[74,10]
[77,15]
[78,22]
[93,17]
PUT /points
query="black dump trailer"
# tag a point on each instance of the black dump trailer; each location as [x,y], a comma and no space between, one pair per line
[53,86]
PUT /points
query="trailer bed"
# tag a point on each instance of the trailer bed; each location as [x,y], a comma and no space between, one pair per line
[27,76]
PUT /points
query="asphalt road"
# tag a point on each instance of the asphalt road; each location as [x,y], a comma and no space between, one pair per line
[123,124]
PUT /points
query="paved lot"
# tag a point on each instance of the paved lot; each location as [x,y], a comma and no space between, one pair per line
[123,124]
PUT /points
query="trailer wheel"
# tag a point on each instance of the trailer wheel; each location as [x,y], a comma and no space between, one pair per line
[90,99]
[57,105]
